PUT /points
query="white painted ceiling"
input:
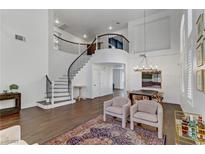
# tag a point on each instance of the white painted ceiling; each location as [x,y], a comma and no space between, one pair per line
[92,22]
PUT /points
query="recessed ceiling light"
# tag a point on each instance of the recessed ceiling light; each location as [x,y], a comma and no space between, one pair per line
[110,27]
[84,36]
[57,21]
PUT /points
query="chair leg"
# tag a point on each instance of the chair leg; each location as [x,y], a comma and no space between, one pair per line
[104,117]
[159,132]
[131,124]
[124,122]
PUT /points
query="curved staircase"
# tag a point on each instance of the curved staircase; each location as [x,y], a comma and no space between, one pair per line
[60,91]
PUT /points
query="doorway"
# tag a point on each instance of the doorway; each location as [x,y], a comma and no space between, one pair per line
[108,79]
[119,79]
[96,83]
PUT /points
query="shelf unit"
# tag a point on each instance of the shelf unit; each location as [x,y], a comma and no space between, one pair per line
[182,138]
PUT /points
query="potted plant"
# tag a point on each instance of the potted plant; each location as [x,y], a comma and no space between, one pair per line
[14,88]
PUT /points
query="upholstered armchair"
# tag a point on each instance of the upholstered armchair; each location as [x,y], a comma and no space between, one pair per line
[117,107]
[11,136]
[147,112]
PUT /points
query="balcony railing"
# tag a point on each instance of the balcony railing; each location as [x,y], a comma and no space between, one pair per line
[104,41]
[113,41]
[85,51]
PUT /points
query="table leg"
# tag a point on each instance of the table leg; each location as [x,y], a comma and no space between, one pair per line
[79,94]
[131,98]
[17,102]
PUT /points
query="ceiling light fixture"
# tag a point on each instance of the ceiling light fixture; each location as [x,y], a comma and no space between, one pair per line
[144,66]
[110,27]
[57,21]
[84,36]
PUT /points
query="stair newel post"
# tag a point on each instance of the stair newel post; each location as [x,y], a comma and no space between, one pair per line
[52,93]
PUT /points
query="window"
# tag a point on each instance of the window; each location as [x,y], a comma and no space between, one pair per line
[189,22]
[182,47]
[115,42]
[186,65]
[189,68]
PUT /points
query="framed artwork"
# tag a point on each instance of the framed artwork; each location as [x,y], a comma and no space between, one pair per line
[199,55]
[200,80]
[200,26]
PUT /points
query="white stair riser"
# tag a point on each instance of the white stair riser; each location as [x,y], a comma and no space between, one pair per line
[61,94]
[60,86]
[44,106]
[61,98]
[63,103]
[63,79]
[55,105]
[61,90]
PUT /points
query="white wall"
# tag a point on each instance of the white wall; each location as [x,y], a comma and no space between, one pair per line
[123,32]
[162,32]
[164,53]
[69,36]
[83,78]
[198,104]
[25,63]
[1,88]
[59,61]
[118,78]
[105,80]
[69,47]
[169,65]
[110,56]
[103,56]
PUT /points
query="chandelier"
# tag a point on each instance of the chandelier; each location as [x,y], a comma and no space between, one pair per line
[144,66]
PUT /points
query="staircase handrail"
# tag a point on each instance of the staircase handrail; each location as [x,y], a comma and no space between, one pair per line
[48,87]
[70,41]
[89,45]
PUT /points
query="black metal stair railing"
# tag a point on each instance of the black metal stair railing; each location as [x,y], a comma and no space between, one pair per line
[48,88]
[109,40]
[78,63]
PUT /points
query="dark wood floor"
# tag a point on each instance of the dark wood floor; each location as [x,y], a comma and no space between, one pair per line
[40,125]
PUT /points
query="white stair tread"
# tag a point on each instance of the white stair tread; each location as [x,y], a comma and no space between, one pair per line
[61,94]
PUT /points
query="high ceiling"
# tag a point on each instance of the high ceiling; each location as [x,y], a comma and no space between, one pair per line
[92,22]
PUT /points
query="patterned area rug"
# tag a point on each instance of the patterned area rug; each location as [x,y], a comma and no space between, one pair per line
[96,132]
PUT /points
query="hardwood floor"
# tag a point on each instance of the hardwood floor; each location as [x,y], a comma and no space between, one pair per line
[40,125]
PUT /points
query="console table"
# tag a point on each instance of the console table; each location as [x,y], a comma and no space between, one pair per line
[79,87]
[147,93]
[11,110]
